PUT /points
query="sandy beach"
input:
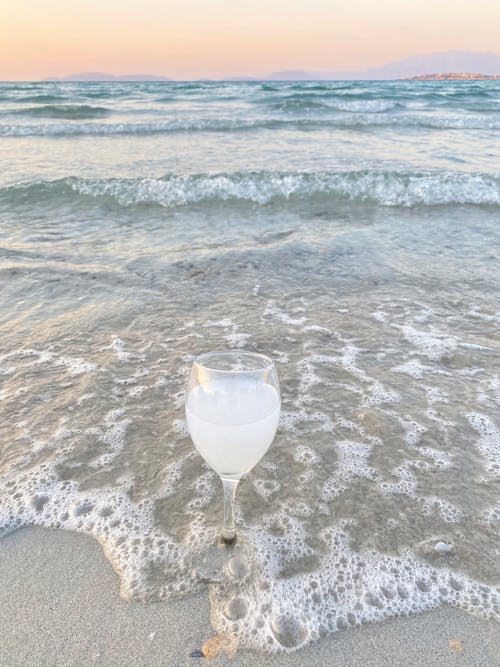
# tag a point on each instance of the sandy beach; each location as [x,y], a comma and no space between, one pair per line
[59,605]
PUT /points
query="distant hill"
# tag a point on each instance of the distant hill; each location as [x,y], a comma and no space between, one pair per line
[430,63]
[455,62]
[102,76]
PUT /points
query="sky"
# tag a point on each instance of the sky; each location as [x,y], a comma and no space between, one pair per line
[189,39]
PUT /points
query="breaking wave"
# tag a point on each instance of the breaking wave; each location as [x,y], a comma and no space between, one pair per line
[264,187]
[66,111]
[344,118]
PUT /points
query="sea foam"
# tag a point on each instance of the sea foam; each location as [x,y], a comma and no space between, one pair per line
[298,570]
[262,188]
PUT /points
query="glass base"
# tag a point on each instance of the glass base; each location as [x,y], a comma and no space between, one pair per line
[228,536]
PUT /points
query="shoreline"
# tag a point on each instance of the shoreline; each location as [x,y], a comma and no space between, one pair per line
[60,605]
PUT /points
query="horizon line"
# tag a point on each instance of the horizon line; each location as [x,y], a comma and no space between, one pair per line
[310,74]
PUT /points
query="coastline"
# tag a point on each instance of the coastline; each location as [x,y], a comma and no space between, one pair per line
[60,605]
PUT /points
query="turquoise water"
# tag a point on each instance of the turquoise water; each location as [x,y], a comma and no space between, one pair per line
[349,229]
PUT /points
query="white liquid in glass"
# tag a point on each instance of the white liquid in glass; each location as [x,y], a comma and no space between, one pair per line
[232,421]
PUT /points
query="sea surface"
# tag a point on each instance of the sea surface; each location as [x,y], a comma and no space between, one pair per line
[351,230]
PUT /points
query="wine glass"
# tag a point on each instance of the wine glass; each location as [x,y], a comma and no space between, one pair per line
[232,411]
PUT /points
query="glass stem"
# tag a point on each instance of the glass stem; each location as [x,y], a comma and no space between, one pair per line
[228,530]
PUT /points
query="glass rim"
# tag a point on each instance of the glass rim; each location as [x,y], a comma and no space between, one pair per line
[199,361]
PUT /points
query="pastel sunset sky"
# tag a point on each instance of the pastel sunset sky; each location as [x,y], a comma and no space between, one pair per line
[217,38]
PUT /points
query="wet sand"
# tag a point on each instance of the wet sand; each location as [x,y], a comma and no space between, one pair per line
[59,605]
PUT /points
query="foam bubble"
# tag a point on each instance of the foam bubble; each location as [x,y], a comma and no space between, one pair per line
[353,460]
[442,460]
[407,484]
[118,347]
[267,488]
[75,366]
[113,437]
[432,345]
[491,515]
[180,428]
[235,338]
[443,508]
[273,310]
[414,368]
[346,360]
[378,394]
[314,328]
[435,395]
[305,455]
[493,388]
[413,431]
[281,357]
[345,588]
[488,444]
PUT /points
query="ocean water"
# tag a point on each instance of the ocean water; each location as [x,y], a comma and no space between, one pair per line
[349,229]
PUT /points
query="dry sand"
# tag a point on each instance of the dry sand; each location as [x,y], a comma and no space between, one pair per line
[59,605]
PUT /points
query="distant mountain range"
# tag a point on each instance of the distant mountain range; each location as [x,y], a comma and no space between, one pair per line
[103,76]
[457,62]
[430,63]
